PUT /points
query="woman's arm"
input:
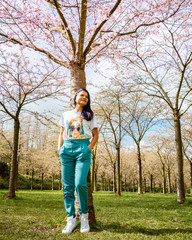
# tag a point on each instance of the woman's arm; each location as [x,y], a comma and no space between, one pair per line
[60,140]
[95,134]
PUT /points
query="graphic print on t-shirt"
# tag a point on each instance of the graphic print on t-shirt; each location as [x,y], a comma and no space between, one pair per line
[75,129]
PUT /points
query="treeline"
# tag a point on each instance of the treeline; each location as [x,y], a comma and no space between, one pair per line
[42,182]
[29,181]
[25,183]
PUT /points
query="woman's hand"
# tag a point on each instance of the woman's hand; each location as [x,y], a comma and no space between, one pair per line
[60,140]
[94,140]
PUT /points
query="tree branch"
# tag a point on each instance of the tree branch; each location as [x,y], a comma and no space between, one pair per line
[15,41]
[100,26]
[73,44]
[82,28]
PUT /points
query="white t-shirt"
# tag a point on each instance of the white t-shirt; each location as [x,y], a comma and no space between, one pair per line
[76,127]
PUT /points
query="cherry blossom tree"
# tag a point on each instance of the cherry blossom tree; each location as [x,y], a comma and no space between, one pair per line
[73,33]
[165,151]
[141,115]
[20,85]
[187,144]
[111,106]
[163,67]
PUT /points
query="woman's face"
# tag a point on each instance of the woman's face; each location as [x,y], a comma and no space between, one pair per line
[82,98]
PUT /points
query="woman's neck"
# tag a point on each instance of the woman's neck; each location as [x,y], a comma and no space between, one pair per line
[78,108]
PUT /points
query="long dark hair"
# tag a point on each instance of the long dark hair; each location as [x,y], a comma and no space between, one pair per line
[86,113]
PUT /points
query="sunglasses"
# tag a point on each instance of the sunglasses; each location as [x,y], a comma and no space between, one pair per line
[75,128]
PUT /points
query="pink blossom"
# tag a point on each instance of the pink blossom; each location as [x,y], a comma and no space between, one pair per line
[37,22]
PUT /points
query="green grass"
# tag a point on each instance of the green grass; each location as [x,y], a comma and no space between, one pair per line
[36,215]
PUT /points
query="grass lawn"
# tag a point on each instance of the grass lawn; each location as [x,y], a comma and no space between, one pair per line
[40,215]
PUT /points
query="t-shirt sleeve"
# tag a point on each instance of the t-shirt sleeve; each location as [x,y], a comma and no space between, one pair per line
[93,122]
[62,120]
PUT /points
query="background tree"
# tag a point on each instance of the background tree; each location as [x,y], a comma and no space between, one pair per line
[187,144]
[165,150]
[166,64]
[22,84]
[111,107]
[111,157]
[141,115]
[5,145]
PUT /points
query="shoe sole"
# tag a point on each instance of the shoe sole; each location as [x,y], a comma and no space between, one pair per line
[71,231]
[86,231]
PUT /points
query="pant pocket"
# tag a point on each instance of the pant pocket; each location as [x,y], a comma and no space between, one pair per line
[85,149]
[61,150]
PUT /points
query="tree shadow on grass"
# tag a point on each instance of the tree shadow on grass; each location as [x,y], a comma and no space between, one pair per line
[123,229]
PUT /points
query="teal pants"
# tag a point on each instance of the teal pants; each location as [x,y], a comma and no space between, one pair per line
[75,163]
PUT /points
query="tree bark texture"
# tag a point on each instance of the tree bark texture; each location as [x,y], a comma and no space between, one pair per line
[118,172]
[32,175]
[42,177]
[169,180]
[60,181]
[109,185]
[53,182]
[13,173]
[102,183]
[139,169]
[93,168]
[191,177]
[92,219]
[114,177]
[78,78]
[164,178]
[151,183]
[95,182]
[145,183]
[179,158]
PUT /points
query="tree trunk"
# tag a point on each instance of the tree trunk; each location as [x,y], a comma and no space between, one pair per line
[92,219]
[125,183]
[151,183]
[17,169]
[164,178]
[179,158]
[121,183]
[32,175]
[118,172]
[53,182]
[105,184]
[133,185]
[139,169]
[78,78]
[114,177]
[191,178]
[42,176]
[109,185]
[17,175]
[102,183]
[144,185]
[60,180]
[95,182]
[13,174]
[169,180]
[93,168]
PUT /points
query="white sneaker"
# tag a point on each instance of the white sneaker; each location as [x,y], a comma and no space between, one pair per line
[84,223]
[71,225]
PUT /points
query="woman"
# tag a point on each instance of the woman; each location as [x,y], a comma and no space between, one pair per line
[77,128]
